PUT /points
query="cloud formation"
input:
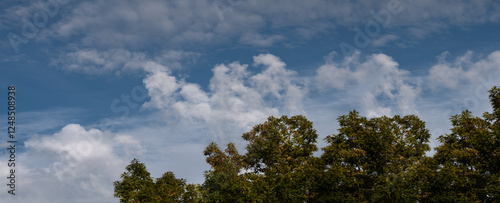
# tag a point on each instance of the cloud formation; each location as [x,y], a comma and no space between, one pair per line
[464,70]
[72,165]
[174,25]
[83,161]
[118,61]
[157,39]
[377,82]
[236,99]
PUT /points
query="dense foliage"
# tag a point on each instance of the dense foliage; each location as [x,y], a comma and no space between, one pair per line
[138,186]
[370,160]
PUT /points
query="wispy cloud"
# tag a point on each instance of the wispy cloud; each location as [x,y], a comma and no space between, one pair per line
[172,25]
[383,40]
[119,61]
[259,40]
[265,59]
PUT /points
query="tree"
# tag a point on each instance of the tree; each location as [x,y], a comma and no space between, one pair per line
[468,160]
[138,186]
[135,185]
[370,159]
[273,169]
[223,183]
[168,188]
[278,156]
[193,193]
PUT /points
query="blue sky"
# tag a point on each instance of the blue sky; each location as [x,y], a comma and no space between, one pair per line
[101,82]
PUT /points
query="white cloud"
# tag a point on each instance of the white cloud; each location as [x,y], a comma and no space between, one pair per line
[68,166]
[463,71]
[464,84]
[236,100]
[134,25]
[259,40]
[377,86]
[176,60]
[177,146]
[72,165]
[383,40]
[91,61]
[161,88]
[238,97]
[118,61]
[129,144]
[275,80]
[373,82]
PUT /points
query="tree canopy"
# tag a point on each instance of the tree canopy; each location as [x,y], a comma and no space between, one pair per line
[380,159]
[138,186]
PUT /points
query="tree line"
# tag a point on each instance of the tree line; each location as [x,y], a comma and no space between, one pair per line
[370,160]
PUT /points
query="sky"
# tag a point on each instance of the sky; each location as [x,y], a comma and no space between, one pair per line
[100,82]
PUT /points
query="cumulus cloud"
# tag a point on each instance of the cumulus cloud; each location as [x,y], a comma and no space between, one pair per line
[378,86]
[82,162]
[72,165]
[464,83]
[464,70]
[375,85]
[377,80]
[236,99]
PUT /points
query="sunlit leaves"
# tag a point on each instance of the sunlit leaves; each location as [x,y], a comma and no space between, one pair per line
[279,157]
[468,159]
[135,185]
[370,159]
[138,186]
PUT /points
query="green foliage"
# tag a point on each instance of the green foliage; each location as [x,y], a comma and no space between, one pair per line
[273,169]
[370,160]
[223,183]
[278,156]
[468,161]
[135,185]
[138,186]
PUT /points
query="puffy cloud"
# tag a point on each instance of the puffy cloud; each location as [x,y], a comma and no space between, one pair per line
[275,80]
[236,99]
[464,83]
[374,82]
[84,162]
[377,86]
[161,86]
[72,165]
[463,71]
